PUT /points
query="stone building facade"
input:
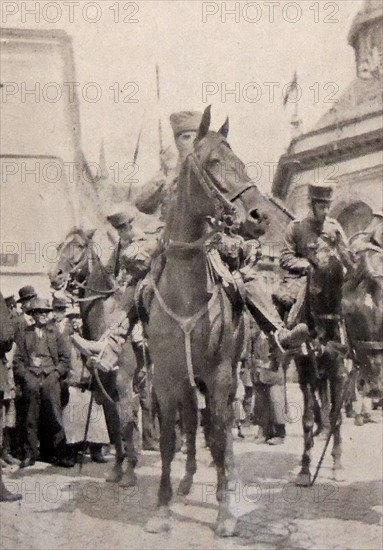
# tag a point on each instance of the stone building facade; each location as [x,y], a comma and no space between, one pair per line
[345,148]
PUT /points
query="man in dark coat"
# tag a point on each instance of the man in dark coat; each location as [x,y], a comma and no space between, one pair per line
[42,360]
[302,236]
[6,339]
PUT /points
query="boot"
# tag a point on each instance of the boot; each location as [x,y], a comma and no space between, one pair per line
[9,459]
[5,495]
[292,338]
[96,453]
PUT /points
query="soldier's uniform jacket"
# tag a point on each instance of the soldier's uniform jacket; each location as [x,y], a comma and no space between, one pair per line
[301,243]
[131,260]
[157,193]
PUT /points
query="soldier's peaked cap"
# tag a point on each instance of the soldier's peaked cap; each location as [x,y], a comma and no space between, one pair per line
[118,219]
[26,293]
[185,121]
[322,193]
[39,304]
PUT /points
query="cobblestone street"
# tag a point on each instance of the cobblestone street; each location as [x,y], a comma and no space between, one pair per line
[62,509]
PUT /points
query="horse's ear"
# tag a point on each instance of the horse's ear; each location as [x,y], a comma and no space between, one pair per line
[90,233]
[205,123]
[224,130]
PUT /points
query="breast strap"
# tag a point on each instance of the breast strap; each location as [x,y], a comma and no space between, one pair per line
[187,324]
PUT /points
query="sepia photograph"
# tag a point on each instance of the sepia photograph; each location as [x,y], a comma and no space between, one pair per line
[191,275]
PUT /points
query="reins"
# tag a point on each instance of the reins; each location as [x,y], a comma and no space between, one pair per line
[227,220]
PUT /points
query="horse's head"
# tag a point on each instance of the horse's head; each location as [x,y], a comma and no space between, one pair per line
[72,259]
[326,278]
[216,172]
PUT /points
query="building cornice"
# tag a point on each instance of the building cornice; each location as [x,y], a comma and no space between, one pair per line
[32,35]
[330,153]
[333,127]
[361,19]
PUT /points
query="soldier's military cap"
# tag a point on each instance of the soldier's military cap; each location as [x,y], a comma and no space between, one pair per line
[39,304]
[185,121]
[321,193]
[26,293]
[118,219]
[59,303]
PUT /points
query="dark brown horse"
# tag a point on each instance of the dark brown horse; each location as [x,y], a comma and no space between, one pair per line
[193,336]
[363,311]
[79,269]
[322,366]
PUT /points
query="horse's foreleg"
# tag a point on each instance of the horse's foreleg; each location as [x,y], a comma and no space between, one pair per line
[304,476]
[160,522]
[190,421]
[325,405]
[337,387]
[219,442]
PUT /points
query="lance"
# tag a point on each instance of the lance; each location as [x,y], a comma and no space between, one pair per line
[281,207]
[158,101]
[136,151]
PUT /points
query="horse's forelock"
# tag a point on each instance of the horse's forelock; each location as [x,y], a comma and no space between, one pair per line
[205,146]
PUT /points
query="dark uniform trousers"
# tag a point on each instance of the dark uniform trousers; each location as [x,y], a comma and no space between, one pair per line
[41,361]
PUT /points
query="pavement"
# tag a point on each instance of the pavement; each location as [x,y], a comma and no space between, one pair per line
[62,509]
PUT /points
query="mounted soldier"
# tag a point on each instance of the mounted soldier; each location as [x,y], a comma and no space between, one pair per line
[156,195]
[234,262]
[316,257]
[302,243]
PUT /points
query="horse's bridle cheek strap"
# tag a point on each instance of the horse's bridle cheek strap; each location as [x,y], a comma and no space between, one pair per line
[208,185]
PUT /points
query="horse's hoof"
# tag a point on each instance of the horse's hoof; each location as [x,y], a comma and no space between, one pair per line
[338,474]
[303,480]
[115,475]
[227,527]
[129,479]
[358,420]
[159,523]
[185,485]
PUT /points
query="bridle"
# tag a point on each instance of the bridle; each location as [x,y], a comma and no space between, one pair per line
[75,269]
[227,213]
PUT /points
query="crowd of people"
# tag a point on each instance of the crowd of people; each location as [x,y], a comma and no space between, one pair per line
[47,391]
